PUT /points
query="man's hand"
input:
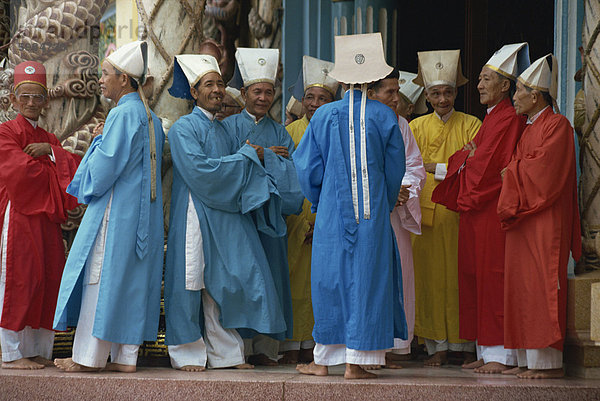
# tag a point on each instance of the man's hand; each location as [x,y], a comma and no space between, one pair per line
[259,151]
[38,149]
[403,195]
[502,172]
[308,237]
[280,150]
[97,130]
[430,167]
[471,147]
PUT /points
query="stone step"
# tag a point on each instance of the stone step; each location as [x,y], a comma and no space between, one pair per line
[283,384]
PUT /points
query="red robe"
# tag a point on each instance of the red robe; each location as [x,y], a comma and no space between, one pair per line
[474,192]
[538,209]
[35,254]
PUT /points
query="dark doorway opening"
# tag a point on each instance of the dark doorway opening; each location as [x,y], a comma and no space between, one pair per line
[478,28]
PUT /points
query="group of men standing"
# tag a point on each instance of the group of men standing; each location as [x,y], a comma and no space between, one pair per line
[445,228]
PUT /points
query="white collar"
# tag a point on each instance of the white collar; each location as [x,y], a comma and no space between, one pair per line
[531,120]
[254,117]
[207,113]
[489,110]
[446,117]
[32,122]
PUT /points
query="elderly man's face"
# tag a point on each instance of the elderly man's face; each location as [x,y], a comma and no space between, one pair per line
[315,97]
[492,87]
[387,93]
[259,98]
[30,100]
[405,108]
[111,84]
[442,98]
[209,92]
[524,99]
[228,108]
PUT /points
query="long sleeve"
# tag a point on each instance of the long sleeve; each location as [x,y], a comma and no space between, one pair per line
[106,158]
[247,186]
[536,177]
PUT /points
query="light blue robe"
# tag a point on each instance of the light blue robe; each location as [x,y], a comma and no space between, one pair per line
[355,273]
[227,186]
[268,133]
[118,163]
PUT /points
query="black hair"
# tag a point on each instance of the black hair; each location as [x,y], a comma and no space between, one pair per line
[376,84]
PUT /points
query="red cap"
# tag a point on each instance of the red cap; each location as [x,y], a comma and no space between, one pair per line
[30,72]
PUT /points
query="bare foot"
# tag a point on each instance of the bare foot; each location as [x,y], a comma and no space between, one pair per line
[397,357]
[370,367]
[22,363]
[42,361]
[438,359]
[391,363]
[69,366]
[261,360]
[119,367]
[469,357]
[192,368]
[542,374]
[492,368]
[356,372]
[514,371]
[289,357]
[473,365]
[244,366]
[313,369]
[306,355]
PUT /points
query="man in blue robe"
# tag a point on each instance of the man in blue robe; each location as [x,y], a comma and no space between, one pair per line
[217,278]
[274,146]
[350,165]
[110,287]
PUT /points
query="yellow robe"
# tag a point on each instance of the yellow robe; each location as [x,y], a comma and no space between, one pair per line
[299,254]
[435,252]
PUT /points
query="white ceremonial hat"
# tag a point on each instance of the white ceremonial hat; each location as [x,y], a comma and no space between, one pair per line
[236,95]
[195,66]
[511,60]
[359,59]
[316,73]
[257,65]
[414,93]
[188,70]
[542,75]
[132,59]
[440,67]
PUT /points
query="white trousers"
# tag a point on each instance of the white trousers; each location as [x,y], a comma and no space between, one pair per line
[497,353]
[262,344]
[542,358]
[28,342]
[337,354]
[88,350]
[434,346]
[220,347]
[401,347]
[296,345]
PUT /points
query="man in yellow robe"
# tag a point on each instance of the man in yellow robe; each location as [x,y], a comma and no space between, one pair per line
[435,252]
[315,88]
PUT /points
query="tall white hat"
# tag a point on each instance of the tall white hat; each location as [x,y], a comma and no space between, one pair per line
[315,72]
[359,59]
[236,95]
[511,60]
[413,93]
[188,70]
[257,65]
[440,67]
[542,75]
[132,59]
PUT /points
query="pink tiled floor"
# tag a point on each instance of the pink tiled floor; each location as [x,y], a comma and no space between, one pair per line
[283,383]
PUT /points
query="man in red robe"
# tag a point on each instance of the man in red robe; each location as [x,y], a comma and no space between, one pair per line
[34,173]
[538,210]
[472,187]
